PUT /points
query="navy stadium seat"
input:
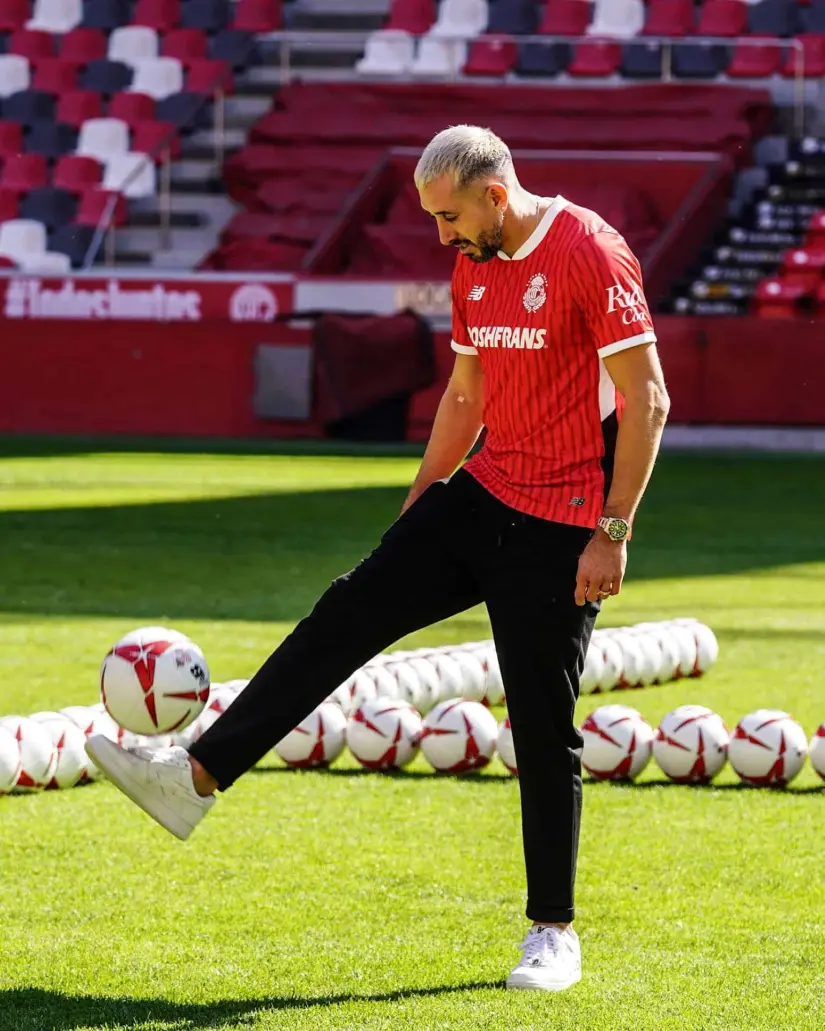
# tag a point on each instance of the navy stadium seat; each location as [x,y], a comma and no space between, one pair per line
[28,106]
[209,15]
[642,61]
[52,139]
[813,19]
[107,77]
[515,17]
[234,46]
[773,18]
[704,61]
[105,14]
[545,59]
[185,110]
[4,44]
[49,205]
[74,241]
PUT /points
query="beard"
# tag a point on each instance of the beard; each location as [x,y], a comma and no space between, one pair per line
[486,246]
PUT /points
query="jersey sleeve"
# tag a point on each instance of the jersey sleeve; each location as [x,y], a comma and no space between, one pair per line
[606,282]
[461,342]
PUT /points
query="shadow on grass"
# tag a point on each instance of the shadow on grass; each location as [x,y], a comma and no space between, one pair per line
[475,778]
[36,1009]
[775,788]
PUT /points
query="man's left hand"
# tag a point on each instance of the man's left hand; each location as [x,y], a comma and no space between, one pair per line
[601,569]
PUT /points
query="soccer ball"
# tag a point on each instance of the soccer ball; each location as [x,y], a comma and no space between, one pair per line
[154,681]
[506,748]
[70,743]
[768,747]
[410,689]
[632,658]
[428,679]
[707,647]
[593,670]
[450,675]
[652,659]
[38,757]
[494,688]
[817,751]
[617,743]
[386,685]
[691,744]
[90,721]
[473,677]
[459,736]
[612,662]
[11,761]
[384,734]
[317,740]
[671,653]
[687,646]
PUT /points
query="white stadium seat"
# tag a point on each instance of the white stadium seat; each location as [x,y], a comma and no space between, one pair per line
[102,138]
[56,15]
[388,52]
[465,19]
[133,43]
[131,174]
[439,57]
[50,263]
[617,19]
[14,74]
[159,77]
[22,238]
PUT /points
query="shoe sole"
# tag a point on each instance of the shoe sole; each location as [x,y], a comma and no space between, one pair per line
[106,756]
[558,986]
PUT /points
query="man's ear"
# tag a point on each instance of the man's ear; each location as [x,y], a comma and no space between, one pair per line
[498,195]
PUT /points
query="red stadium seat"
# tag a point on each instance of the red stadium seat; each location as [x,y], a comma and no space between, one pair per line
[132,108]
[24,172]
[9,204]
[565,18]
[413,16]
[669,18]
[812,58]
[93,206]
[54,75]
[258,16]
[820,300]
[775,297]
[5,261]
[83,46]
[727,18]
[209,77]
[804,267]
[11,139]
[596,59]
[156,138]
[78,107]
[14,14]
[76,173]
[815,237]
[161,15]
[754,62]
[491,55]
[186,45]
[31,43]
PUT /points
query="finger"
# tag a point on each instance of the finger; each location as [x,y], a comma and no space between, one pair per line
[581,589]
[615,587]
[592,592]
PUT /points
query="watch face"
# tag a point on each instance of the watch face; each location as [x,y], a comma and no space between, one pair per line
[617,529]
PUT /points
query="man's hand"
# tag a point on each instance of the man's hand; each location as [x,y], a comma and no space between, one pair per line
[601,569]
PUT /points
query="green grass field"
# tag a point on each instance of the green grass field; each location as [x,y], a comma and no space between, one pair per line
[359,902]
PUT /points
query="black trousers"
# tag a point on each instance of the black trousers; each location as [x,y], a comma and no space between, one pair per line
[455,547]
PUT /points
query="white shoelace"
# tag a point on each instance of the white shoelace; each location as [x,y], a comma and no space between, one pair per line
[536,945]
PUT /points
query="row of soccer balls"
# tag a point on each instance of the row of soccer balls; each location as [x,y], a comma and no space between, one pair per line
[691,744]
[155,680]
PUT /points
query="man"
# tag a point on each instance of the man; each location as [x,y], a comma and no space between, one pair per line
[553,340]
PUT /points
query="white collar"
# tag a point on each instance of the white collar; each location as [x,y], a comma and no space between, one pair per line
[539,233]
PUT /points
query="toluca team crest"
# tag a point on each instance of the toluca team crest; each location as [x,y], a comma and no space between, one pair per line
[536,293]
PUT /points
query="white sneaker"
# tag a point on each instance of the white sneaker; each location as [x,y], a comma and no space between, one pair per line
[159,780]
[551,960]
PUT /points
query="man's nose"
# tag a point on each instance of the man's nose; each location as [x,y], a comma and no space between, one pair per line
[446,233]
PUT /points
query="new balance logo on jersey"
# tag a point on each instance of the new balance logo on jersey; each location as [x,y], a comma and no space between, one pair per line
[628,302]
[476,293]
[507,336]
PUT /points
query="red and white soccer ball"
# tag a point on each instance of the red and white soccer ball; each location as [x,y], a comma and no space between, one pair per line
[505,747]
[70,744]
[590,680]
[318,739]
[767,748]
[429,684]
[459,736]
[154,681]
[617,743]
[11,762]
[817,751]
[691,744]
[384,734]
[707,647]
[38,756]
[632,658]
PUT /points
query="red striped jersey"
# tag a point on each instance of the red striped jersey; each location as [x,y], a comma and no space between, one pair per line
[541,322]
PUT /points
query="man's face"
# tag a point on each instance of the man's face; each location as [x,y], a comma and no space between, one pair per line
[471,220]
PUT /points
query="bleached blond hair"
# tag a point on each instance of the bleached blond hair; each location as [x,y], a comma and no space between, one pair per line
[467,153]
